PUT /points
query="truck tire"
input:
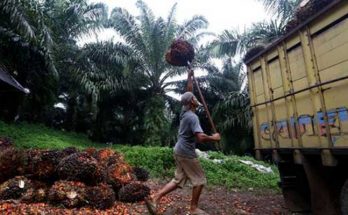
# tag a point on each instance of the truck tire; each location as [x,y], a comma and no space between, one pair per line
[344,198]
[294,187]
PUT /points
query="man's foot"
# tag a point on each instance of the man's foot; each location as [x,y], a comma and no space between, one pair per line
[198,211]
[151,205]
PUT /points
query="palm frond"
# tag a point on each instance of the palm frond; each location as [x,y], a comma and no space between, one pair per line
[171,26]
[14,9]
[125,24]
[190,27]
[235,109]
[227,44]
[283,9]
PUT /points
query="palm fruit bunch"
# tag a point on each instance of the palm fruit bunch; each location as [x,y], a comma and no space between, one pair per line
[133,192]
[90,151]
[14,188]
[292,24]
[141,174]
[305,12]
[108,157]
[37,193]
[12,163]
[42,164]
[180,53]
[253,52]
[119,175]
[69,151]
[80,167]
[101,196]
[70,194]
[310,9]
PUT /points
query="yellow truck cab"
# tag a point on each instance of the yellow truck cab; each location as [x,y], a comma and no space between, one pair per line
[298,88]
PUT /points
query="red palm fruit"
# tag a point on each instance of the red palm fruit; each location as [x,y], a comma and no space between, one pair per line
[14,188]
[80,167]
[119,175]
[101,196]
[12,162]
[141,174]
[133,192]
[37,193]
[70,194]
[180,53]
[42,164]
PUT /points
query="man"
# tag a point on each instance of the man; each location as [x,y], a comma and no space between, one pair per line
[187,164]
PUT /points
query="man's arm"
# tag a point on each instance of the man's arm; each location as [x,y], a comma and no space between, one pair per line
[203,138]
[189,87]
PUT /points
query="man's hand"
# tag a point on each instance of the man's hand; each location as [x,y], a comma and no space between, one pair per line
[216,137]
[189,87]
[203,138]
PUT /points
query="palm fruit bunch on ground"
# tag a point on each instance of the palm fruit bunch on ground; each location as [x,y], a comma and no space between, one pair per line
[70,178]
[133,192]
[180,53]
[101,196]
[70,194]
[14,188]
[38,192]
[108,157]
[80,167]
[141,174]
[42,164]
[69,151]
[119,175]
[90,151]
[12,163]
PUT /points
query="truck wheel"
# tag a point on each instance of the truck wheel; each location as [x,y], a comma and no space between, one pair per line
[344,199]
[294,187]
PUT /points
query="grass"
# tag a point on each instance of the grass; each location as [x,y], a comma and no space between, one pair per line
[158,160]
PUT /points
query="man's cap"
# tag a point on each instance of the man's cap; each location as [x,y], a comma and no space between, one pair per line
[186,98]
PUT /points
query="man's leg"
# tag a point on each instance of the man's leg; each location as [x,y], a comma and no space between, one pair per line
[196,193]
[154,200]
[169,187]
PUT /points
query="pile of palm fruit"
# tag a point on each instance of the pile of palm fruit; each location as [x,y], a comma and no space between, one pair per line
[302,14]
[69,178]
[306,11]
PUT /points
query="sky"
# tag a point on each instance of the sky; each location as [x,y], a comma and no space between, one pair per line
[221,14]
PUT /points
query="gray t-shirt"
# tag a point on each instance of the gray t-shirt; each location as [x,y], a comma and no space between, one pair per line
[189,125]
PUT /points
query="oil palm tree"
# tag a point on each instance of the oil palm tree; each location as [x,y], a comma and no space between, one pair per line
[149,37]
[38,44]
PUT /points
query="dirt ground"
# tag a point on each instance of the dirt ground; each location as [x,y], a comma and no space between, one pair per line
[221,201]
[214,200]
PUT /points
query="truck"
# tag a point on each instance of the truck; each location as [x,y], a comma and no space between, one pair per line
[298,87]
